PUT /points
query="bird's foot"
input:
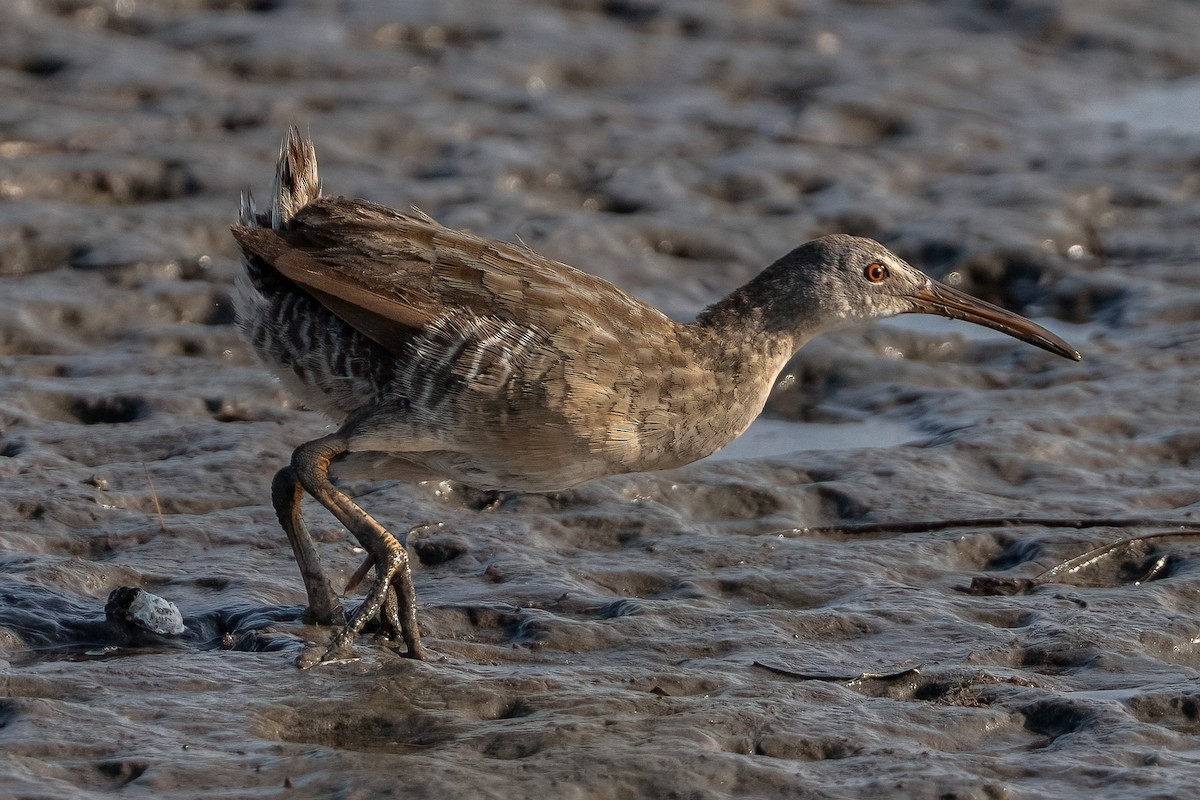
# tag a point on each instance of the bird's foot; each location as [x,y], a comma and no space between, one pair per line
[393,627]
[388,623]
[339,650]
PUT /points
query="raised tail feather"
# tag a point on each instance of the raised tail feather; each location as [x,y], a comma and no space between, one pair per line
[296,184]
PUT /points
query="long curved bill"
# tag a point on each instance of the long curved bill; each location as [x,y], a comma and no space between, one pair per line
[938,298]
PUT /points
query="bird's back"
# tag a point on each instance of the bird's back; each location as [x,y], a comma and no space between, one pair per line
[488,347]
[389,274]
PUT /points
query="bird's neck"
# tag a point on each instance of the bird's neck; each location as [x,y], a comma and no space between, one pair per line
[739,339]
[752,334]
[761,317]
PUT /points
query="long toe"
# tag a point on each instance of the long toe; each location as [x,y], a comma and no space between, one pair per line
[316,654]
[341,647]
[389,617]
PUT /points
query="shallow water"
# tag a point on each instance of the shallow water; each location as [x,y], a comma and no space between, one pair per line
[769,437]
[794,617]
[1170,109]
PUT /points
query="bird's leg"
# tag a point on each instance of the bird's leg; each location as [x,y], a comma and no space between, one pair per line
[389,617]
[310,464]
[323,605]
[389,614]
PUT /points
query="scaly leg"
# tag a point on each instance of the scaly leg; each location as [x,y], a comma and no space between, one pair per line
[323,605]
[310,465]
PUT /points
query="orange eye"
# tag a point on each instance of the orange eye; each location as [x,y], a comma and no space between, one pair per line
[875,272]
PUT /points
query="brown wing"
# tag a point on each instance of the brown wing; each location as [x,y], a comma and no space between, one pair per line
[379,269]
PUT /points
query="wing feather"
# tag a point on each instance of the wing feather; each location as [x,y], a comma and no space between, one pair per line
[389,275]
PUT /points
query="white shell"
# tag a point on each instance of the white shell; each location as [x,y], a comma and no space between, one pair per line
[156,614]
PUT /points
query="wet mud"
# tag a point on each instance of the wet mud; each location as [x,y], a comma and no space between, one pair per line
[812,615]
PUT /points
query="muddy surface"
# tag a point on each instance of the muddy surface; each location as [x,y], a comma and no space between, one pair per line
[723,630]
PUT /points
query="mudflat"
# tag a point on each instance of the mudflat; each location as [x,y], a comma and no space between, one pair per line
[793,617]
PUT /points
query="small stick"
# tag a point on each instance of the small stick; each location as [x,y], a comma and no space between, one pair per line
[990,522]
[162,523]
[820,676]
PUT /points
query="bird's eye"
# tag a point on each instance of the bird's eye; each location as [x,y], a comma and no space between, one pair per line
[875,272]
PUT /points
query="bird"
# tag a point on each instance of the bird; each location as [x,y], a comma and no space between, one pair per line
[440,354]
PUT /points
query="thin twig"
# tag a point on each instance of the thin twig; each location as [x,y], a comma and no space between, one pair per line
[162,523]
[1093,556]
[821,676]
[990,522]
[1074,570]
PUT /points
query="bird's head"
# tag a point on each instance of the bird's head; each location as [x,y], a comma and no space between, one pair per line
[837,280]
